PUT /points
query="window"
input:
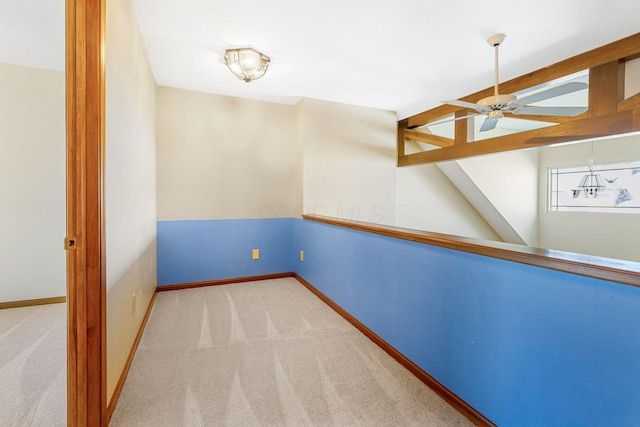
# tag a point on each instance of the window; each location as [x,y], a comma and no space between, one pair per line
[613,187]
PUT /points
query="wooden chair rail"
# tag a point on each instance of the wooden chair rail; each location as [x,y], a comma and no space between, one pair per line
[619,271]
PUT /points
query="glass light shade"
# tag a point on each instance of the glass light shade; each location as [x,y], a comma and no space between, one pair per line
[592,184]
[246,63]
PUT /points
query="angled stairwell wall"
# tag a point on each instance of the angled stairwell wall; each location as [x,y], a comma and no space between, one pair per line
[504,189]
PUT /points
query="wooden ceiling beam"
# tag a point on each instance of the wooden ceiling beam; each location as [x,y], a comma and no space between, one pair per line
[428,138]
[608,113]
[628,47]
[629,103]
[551,119]
[576,130]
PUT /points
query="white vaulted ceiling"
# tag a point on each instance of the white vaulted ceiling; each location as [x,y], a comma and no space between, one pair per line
[32,33]
[402,55]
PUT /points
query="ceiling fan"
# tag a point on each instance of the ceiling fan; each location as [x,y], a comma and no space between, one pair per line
[496,105]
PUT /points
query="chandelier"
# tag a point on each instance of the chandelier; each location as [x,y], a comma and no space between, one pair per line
[592,184]
[246,63]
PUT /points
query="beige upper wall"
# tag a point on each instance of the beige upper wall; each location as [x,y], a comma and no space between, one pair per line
[612,235]
[130,185]
[32,183]
[509,182]
[349,161]
[225,157]
[427,200]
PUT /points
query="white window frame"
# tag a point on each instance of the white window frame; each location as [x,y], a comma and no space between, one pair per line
[621,192]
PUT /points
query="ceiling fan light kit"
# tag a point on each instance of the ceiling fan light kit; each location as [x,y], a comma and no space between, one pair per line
[496,105]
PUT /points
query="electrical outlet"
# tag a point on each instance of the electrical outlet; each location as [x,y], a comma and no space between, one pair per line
[301,255]
[133,303]
[256,254]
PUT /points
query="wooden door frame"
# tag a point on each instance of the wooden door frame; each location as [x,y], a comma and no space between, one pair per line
[86,286]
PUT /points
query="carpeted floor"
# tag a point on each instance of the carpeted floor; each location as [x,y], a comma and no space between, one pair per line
[266,353]
[33,375]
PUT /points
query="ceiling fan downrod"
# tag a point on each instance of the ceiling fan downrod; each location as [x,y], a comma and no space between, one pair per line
[495,41]
[496,105]
[496,101]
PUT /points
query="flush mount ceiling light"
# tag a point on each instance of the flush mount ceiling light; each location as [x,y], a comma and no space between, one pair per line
[246,63]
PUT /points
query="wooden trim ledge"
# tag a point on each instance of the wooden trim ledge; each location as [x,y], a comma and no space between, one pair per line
[127,366]
[32,302]
[619,271]
[191,285]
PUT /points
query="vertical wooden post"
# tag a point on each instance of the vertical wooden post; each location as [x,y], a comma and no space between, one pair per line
[402,125]
[603,89]
[86,295]
[463,133]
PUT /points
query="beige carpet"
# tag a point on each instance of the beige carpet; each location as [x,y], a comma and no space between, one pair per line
[33,377]
[266,353]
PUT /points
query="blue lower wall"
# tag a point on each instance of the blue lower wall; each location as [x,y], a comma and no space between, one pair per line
[202,250]
[523,345]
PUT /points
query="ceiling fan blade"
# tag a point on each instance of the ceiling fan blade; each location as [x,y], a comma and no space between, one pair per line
[551,111]
[551,93]
[478,108]
[489,124]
